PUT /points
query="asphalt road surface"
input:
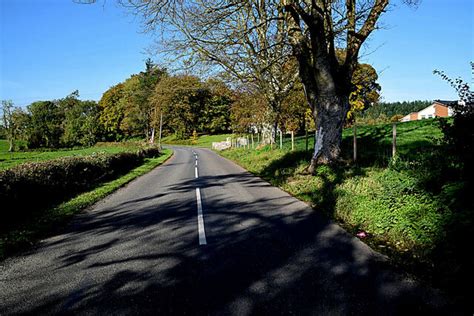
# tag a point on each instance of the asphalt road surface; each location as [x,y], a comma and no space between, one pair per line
[200,235]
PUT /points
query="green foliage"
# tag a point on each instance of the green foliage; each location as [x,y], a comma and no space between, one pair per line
[179,99]
[80,126]
[10,159]
[112,112]
[35,227]
[459,133]
[366,89]
[45,124]
[189,104]
[126,109]
[65,122]
[29,188]
[390,205]
[215,117]
[382,112]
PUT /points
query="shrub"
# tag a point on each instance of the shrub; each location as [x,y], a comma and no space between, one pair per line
[31,187]
[390,205]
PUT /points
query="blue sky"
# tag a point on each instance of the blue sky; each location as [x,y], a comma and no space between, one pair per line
[50,48]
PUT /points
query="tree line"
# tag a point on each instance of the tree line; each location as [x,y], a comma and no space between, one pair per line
[65,122]
[130,109]
[384,112]
[185,104]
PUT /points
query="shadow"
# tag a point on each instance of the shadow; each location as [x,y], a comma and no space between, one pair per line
[279,266]
[266,254]
[422,169]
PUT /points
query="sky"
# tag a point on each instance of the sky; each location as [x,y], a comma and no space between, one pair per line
[50,48]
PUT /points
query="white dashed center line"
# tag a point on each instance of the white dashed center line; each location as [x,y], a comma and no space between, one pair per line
[201,230]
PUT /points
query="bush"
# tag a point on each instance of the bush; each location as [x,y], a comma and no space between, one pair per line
[390,205]
[29,188]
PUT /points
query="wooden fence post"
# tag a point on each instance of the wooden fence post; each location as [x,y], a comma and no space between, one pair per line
[281,140]
[394,140]
[292,140]
[306,137]
[355,142]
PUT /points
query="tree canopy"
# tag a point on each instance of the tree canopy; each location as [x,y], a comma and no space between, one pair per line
[255,40]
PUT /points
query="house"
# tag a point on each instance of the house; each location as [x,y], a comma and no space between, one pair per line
[439,108]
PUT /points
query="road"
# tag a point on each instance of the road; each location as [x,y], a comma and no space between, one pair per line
[201,236]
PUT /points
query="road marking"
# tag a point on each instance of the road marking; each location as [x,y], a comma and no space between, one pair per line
[202,232]
[196,162]
[196,172]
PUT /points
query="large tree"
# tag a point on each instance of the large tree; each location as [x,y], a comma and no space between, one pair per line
[45,128]
[80,121]
[8,121]
[247,40]
[112,112]
[318,30]
[315,30]
[181,100]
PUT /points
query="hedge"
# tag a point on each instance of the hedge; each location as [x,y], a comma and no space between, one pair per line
[29,188]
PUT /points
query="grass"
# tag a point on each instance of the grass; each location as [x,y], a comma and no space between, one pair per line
[202,141]
[10,159]
[45,224]
[374,142]
[411,208]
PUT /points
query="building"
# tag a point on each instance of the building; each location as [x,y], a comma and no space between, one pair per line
[439,108]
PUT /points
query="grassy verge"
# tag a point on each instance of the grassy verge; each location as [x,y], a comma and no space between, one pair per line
[414,209]
[10,159]
[39,227]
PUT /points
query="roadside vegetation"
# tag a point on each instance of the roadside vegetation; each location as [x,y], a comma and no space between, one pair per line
[38,198]
[10,159]
[413,207]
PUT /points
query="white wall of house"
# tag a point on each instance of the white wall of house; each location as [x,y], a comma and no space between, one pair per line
[427,113]
[406,118]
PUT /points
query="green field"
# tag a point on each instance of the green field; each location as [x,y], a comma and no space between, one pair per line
[202,141]
[10,159]
[374,142]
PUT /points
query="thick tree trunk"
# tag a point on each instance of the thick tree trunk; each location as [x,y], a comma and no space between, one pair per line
[329,114]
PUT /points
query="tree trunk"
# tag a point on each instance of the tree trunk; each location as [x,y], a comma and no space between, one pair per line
[12,147]
[152,138]
[275,128]
[329,114]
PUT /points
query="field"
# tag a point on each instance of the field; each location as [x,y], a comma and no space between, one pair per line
[374,142]
[10,159]
[202,141]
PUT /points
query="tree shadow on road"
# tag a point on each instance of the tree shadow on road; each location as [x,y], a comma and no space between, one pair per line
[270,255]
